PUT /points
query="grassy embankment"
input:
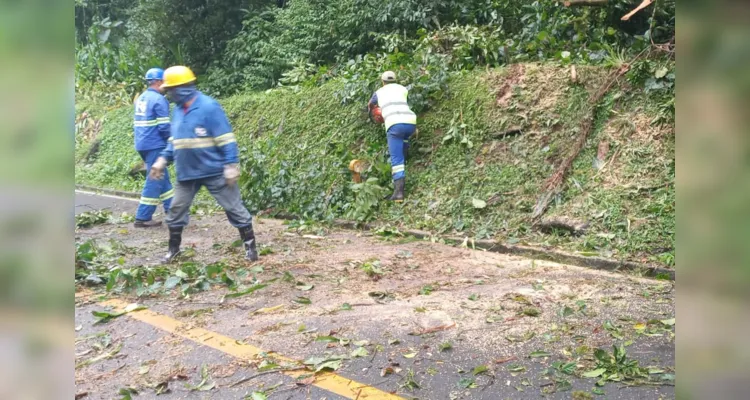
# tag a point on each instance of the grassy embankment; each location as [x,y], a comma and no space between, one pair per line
[296,147]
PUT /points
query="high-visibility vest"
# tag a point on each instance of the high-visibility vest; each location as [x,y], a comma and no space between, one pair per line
[393,106]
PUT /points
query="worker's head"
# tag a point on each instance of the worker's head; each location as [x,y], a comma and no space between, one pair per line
[154,78]
[388,77]
[179,83]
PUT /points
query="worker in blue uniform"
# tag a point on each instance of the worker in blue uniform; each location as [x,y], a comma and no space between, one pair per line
[400,125]
[151,132]
[205,153]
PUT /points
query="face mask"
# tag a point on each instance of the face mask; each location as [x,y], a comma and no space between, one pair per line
[181,95]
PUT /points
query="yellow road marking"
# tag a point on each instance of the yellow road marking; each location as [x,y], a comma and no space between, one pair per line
[331,382]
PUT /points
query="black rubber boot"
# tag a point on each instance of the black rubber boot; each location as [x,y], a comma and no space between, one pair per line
[146,224]
[175,238]
[398,190]
[248,238]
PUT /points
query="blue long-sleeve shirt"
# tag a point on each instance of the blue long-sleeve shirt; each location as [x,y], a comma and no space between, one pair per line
[151,123]
[202,141]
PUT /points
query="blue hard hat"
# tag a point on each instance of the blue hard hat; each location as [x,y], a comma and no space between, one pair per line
[155,74]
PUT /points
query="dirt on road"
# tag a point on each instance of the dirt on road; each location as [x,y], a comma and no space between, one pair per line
[404,317]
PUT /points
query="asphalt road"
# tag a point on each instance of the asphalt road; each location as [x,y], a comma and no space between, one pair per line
[438,375]
[86,201]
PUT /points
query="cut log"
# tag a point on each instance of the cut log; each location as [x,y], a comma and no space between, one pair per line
[585,3]
[549,225]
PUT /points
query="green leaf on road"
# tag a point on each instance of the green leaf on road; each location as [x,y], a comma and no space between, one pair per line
[426,290]
[247,291]
[258,396]
[302,286]
[327,339]
[104,316]
[360,352]
[332,365]
[467,383]
[595,373]
[346,307]
[668,322]
[127,393]
[171,282]
[480,370]
[518,338]
[445,346]
[540,353]
[302,300]
[566,311]
[474,297]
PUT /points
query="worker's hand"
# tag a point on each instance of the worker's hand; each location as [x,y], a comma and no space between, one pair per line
[231,173]
[157,169]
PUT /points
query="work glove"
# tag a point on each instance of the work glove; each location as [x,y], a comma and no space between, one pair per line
[157,169]
[231,173]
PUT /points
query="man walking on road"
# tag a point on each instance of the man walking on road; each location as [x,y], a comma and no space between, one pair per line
[151,132]
[400,124]
[205,153]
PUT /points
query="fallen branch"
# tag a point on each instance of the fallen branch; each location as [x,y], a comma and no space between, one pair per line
[640,7]
[553,185]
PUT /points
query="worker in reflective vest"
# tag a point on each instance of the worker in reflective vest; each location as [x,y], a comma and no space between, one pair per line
[151,132]
[400,124]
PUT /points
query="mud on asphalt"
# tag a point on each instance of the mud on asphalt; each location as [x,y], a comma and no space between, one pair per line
[412,318]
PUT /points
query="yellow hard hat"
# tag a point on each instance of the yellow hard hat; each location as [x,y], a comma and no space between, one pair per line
[176,76]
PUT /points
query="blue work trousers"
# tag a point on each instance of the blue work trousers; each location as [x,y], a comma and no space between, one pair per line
[398,143]
[155,192]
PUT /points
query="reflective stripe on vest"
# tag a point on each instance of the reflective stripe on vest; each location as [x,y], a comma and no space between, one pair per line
[393,105]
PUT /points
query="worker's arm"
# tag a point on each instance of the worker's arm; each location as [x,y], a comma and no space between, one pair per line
[161,109]
[373,101]
[219,128]
[165,157]
[218,125]
[168,152]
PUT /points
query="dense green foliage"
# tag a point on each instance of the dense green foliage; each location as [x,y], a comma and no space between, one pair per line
[238,45]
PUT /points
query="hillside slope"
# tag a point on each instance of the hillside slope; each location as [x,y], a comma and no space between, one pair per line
[465,173]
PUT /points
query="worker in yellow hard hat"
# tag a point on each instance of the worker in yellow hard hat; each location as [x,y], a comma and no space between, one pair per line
[205,153]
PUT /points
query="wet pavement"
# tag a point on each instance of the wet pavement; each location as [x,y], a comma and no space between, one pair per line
[432,322]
